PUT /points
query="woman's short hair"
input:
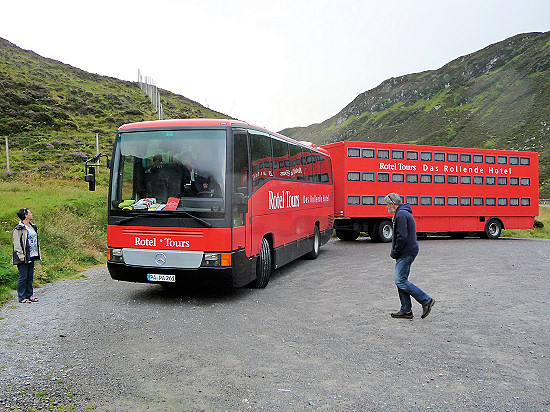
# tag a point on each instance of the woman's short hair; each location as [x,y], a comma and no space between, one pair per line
[21,213]
[393,198]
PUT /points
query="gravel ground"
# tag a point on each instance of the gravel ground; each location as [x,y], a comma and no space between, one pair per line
[318,338]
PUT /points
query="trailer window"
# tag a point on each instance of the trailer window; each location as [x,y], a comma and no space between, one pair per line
[398,154]
[439,157]
[412,178]
[478,201]
[354,176]
[368,153]
[368,176]
[354,152]
[368,200]
[426,156]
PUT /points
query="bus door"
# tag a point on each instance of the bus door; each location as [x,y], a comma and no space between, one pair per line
[241,191]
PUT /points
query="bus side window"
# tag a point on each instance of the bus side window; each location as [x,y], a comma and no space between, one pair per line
[307,164]
[296,167]
[326,170]
[262,159]
[281,162]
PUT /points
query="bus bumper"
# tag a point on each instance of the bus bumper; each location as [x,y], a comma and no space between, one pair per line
[239,274]
[222,277]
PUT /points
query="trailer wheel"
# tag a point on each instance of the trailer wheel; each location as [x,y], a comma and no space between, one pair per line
[493,229]
[312,255]
[383,231]
[347,234]
[263,266]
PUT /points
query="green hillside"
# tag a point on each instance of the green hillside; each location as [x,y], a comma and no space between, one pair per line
[497,98]
[51,111]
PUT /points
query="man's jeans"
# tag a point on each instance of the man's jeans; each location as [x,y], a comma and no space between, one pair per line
[405,288]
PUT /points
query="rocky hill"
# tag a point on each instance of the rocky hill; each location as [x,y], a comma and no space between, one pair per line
[498,97]
[51,111]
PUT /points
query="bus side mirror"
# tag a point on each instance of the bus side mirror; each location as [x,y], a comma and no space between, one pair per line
[90,178]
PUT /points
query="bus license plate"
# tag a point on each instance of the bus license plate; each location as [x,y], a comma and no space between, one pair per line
[155,277]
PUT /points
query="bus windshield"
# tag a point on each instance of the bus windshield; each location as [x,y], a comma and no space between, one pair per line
[169,171]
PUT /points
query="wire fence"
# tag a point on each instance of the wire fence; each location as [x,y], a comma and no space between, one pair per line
[42,153]
[149,88]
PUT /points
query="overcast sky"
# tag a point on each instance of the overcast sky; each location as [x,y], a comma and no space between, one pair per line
[273,63]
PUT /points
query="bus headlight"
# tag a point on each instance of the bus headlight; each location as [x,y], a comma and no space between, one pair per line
[114,255]
[216,259]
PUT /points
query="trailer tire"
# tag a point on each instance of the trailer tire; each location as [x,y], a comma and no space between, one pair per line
[312,255]
[263,266]
[493,229]
[383,231]
[347,234]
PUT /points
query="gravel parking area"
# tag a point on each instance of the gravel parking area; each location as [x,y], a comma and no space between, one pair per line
[318,338]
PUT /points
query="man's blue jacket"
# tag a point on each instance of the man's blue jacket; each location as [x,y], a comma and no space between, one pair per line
[404,233]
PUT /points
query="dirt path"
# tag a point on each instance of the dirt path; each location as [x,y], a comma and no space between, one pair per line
[318,338]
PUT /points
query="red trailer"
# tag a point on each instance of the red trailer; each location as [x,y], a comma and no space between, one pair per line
[450,189]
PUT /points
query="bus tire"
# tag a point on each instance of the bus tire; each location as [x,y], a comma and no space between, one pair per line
[493,229]
[312,255]
[263,266]
[347,234]
[383,231]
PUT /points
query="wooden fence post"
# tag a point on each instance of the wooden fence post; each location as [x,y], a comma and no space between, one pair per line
[7,155]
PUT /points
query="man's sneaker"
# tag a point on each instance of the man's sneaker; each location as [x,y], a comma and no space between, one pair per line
[402,315]
[427,308]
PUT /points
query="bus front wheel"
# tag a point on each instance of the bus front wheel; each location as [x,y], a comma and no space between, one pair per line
[263,266]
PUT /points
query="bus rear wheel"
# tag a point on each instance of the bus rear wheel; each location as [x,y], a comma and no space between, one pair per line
[347,234]
[312,255]
[493,229]
[263,266]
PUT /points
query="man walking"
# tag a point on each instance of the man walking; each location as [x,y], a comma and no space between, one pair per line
[404,250]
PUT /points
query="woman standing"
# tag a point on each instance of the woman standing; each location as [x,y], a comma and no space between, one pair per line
[25,252]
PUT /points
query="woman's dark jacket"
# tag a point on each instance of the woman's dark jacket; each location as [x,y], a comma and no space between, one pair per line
[404,233]
[21,244]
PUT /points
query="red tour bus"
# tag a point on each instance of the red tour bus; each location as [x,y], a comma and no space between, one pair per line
[450,189]
[214,199]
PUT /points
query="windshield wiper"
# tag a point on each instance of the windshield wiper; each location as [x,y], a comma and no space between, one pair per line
[124,220]
[198,219]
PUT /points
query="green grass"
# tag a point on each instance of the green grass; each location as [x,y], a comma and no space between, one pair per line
[72,224]
[535,233]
